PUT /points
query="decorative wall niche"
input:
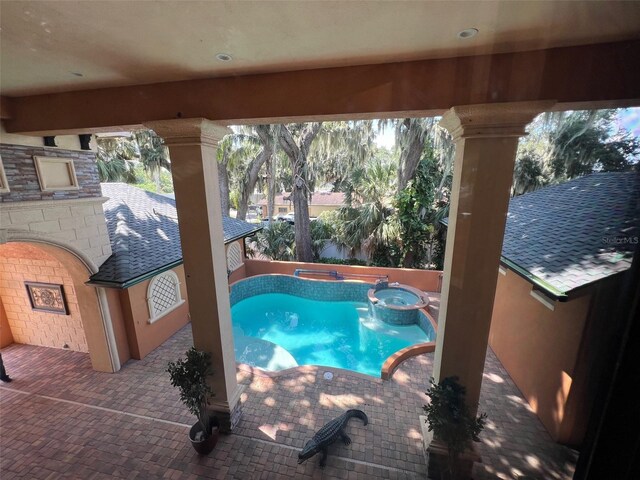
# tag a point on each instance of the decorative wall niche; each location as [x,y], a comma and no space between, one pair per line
[55,174]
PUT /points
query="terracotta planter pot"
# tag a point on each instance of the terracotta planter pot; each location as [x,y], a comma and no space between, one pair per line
[206,446]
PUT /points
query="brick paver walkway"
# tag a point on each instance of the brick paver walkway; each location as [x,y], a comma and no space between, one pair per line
[60,419]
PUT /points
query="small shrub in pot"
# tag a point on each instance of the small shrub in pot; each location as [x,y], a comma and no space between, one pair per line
[189,376]
[451,422]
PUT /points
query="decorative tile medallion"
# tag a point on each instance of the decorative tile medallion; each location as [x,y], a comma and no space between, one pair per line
[47,297]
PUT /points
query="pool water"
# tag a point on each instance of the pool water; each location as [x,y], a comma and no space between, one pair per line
[396,297]
[275,331]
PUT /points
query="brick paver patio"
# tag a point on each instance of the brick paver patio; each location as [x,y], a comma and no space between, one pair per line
[61,419]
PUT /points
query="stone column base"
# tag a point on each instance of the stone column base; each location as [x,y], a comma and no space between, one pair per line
[229,418]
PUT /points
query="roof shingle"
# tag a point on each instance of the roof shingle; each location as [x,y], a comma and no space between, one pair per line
[577,232]
[143,229]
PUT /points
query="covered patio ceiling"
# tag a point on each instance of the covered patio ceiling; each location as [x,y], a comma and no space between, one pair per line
[65,46]
[81,67]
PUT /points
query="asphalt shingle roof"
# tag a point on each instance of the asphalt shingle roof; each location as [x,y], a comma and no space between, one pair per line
[577,232]
[143,229]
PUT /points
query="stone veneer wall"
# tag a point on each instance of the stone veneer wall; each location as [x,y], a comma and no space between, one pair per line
[73,218]
[33,327]
[22,177]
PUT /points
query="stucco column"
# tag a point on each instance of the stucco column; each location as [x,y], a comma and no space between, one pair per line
[486,141]
[193,144]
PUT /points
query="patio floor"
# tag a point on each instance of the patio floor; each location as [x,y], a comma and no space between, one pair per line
[61,419]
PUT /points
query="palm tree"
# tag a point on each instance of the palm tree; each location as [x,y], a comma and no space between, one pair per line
[366,220]
[321,234]
[153,154]
[277,241]
[114,159]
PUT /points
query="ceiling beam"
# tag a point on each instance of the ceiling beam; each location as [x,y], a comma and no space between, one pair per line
[5,111]
[591,76]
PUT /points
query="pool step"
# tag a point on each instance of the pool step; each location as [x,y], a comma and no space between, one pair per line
[403,332]
[262,353]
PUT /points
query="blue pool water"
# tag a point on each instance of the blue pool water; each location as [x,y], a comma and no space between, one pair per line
[275,331]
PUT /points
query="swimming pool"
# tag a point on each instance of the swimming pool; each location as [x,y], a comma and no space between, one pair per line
[282,322]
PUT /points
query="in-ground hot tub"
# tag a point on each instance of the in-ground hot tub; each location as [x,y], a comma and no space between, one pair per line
[396,304]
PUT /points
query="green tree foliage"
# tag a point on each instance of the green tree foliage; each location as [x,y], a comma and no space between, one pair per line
[565,145]
[530,172]
[145,181]
[399,229]
[396,199]
[587,142]
[117,158]
[190,376]
[364,222]
[114,158]
[152,152]
[277,242]
[321,234]
[415,209]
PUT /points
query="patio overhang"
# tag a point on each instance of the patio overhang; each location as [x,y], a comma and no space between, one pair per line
[416,88]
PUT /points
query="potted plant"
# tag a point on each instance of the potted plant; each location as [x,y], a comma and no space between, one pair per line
[454,428]
[190,375]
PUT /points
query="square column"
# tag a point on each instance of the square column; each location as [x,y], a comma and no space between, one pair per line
[193,147]
[486,141]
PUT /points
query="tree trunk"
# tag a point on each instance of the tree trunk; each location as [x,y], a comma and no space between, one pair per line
[271,188]
[410,156]
[250,180]
[223,180]
[297,153]
[407,262]
[156,179]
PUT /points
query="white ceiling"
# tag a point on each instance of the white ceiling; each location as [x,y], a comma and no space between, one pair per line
[114,43]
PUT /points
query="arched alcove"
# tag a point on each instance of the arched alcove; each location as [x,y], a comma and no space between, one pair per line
[80,327]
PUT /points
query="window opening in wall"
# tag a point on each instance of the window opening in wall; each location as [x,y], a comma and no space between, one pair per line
[163,295]
[234,257]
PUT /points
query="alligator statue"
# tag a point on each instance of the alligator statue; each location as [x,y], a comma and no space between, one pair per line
[329,434]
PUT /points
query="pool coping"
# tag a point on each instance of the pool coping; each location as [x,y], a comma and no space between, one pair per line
[309,369]
[388,367]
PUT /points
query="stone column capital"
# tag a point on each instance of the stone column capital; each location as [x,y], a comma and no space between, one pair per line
[492,120]
[189,131]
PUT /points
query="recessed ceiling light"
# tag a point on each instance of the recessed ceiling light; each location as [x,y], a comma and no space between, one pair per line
[468,33]
[224,57]
[77,74]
